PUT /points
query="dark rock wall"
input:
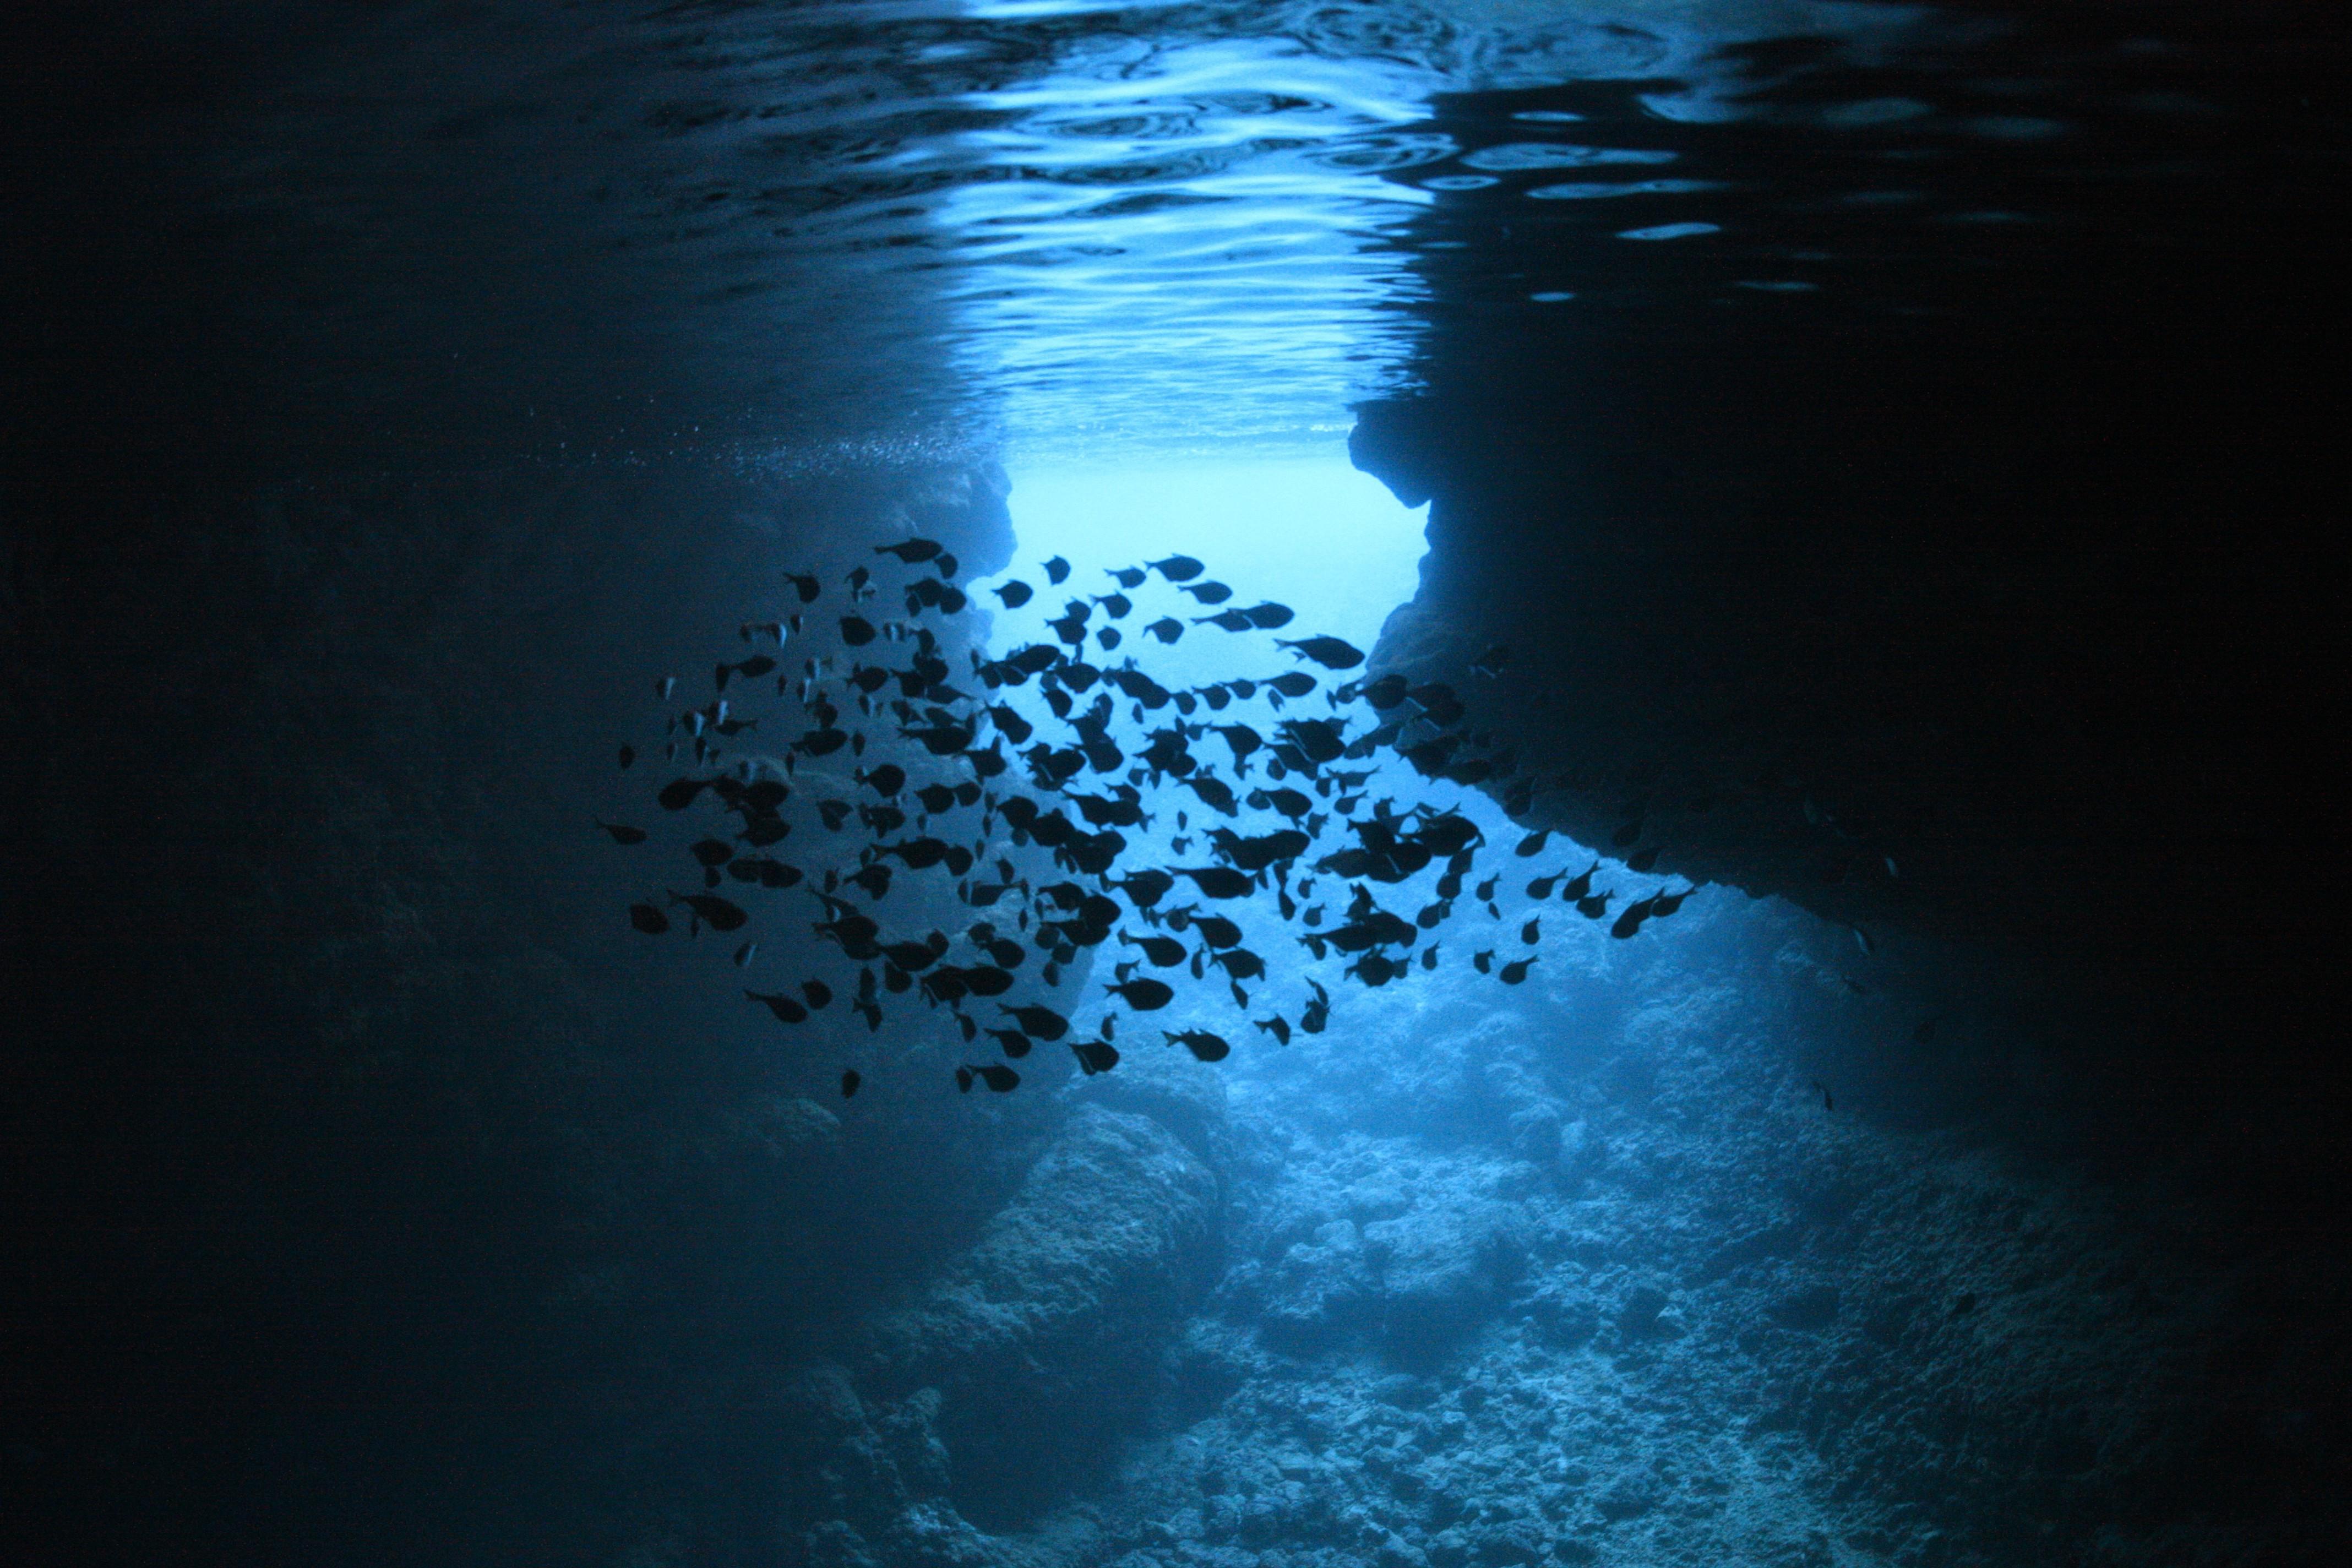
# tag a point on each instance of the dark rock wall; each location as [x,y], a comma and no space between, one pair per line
[375,1159]
[1971,583]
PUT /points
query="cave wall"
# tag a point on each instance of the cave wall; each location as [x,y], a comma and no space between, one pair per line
[1970,587]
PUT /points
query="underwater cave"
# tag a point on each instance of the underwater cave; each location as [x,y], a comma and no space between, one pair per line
[955,784]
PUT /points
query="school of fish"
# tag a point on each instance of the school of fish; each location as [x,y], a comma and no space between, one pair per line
[1278,812]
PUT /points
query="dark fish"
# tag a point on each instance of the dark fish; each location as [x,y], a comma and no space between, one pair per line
[1013,1042]
[1057,571]
[1224,620]
[1177,568]
[910,551]
[1216,881]
[818,992]
[711,852]
[1208,592]
[1532,933]
[885,781]
[718,913]
[1862,939]
[856,630]
[1000,1079]
[1144,995]
[805,585]
[628,754]
[1164,951]
[648,920]
[1268,616]
[1167,628]
[1625,835]
[664,686]
[1038,1023]
[743,953]
[1213,793]
[1629,919]
[1486,890]
[1014,595]
[1145,889]
[1116,606]
[1532,845]
[1297,683]
[1663,904]
[1386,692]
[1642,859]
[1096,1056]
[1580,884]
[1331,653]
[1204,1045]
[1484,963]
[1515,971]
[1429,957]
[680,794]
[849,1082]
[1490,663]
[1315,1014]
[785,1009]
[623,833]
[1277,1025]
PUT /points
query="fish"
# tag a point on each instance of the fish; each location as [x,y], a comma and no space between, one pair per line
[1167,628]
[856,630]
[1484,963]
[744,953]
[627,754]
[1207,593]
[849,1082]
[1593,906]
[648,920]
[819,994]
[680,794]
[805,585]
[1642,859]
[1492,662]
[1316,1014]
[1862,939]
[1268,616]
[1516,971]
[1580,884]
[623,833]
[711,852]
[1629,919]
[1096,1056]
[910,551]
[1204,1045]
[1532,933]
[1012,1042]
[1331,653]
[1277,1025]
[718,913]
[1533,844]
[1037,1023]
[1177,568]
[1663,904]
[1225,620]
[785,1008]
[1057,571]
[1216,881]
[885,781]
[1014,594]
[1292,683]
[1429,957]
[1144,995]
[1163,950]
[1000,1079]
[1128,577]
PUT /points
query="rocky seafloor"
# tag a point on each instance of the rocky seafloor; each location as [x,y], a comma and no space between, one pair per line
[1586,1272]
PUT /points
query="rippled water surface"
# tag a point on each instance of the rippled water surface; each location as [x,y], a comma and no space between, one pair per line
[620,228]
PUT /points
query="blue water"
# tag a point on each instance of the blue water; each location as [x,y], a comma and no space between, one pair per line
[535,344]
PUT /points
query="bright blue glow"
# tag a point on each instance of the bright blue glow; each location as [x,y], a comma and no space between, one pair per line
[1312,534]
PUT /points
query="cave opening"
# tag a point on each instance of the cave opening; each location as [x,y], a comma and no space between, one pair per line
[1740,740]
